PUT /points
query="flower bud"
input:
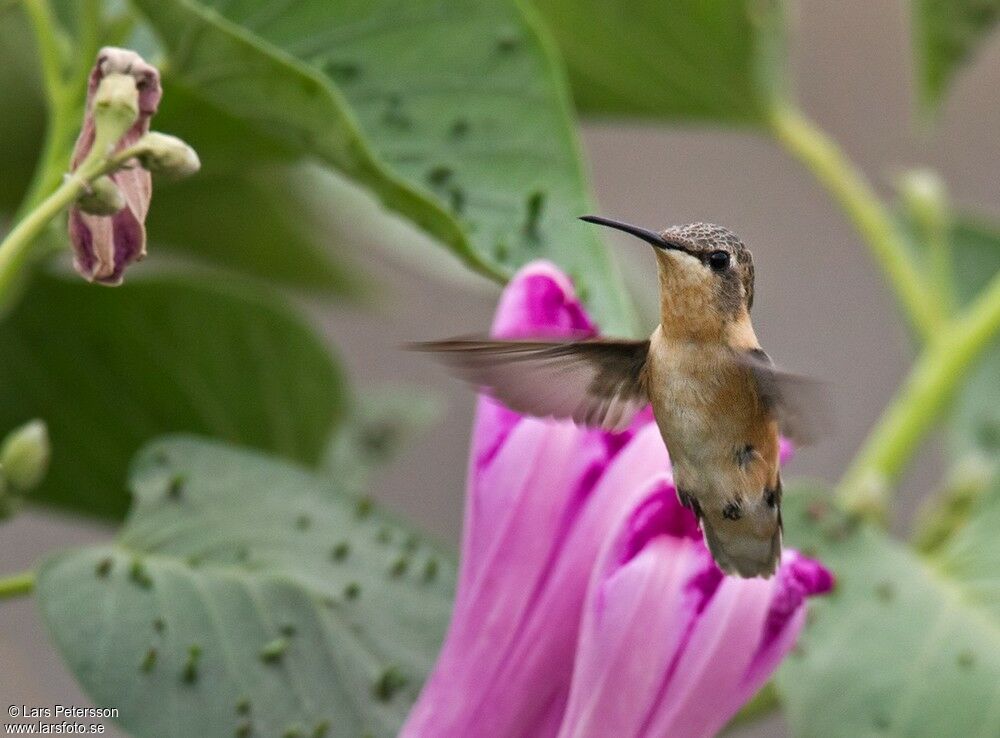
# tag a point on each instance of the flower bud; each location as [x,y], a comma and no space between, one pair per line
[121,84]
[169,155]
[115,109]
[102,197]
[24,456]
[925,198]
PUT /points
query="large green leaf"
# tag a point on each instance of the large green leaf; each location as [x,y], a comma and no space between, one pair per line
[685,60]
[904,645]
[972,554]
[242,211]
[945,35]
[251,222]
[302,607]
[381,421]
[453,113]
[110,369]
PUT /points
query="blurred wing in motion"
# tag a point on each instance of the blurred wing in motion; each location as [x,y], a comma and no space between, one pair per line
[798,403]
[594,382]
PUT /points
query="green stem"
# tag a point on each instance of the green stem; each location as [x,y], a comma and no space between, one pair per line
[47,37]
[17,585]
[923,396]
[65,97]
[938,236]
[50,190]
[88,43]
[54,160]
[848,185]
[16,248]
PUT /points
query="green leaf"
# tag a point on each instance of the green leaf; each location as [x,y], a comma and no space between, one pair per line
[945,35]
[683,60]
[251,222]
[972,555]
[246,596]
[904,645]
[110,369]
[380,422]
[243,211]
[453,114]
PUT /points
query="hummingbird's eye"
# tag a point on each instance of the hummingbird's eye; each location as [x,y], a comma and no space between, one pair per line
[718,261]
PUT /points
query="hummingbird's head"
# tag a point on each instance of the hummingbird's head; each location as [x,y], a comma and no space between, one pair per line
[706,275]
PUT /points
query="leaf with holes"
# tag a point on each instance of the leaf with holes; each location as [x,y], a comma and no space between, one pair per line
[945,35]
[381,421]
[110,369]
[684,60]
[905,645]
[454,114]
[246,596]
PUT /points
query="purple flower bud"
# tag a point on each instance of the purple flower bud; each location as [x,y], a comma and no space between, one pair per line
[106,244]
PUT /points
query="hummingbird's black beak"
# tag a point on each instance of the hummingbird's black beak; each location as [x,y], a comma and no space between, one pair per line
[646,235]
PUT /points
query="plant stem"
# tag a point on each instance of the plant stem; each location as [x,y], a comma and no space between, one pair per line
[16,248]
[50,190]
[17,585]
[848,185]
[64,96]
[938,237]
[54,160]
[46,36]
[918,403]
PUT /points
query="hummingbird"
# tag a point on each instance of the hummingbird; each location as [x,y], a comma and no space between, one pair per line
[719,401]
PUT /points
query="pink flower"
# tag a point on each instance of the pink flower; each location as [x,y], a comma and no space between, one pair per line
[106,244]
[587,603]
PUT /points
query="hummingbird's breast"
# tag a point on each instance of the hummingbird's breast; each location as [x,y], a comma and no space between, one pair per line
[707,411]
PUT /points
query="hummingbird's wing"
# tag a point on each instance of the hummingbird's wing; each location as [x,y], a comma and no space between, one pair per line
[594,382]
[798,403]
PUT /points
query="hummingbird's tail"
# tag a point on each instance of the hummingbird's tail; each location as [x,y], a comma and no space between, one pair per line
[744,555]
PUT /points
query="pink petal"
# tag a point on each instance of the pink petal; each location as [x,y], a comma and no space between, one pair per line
[538,302]
[691,644]
[541,494]
[629,636]
[798,577]
[786,451]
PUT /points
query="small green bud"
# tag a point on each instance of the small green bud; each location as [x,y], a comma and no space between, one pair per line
[116,108]
[165,154]
[24,456]
[925,198]
[102,197]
